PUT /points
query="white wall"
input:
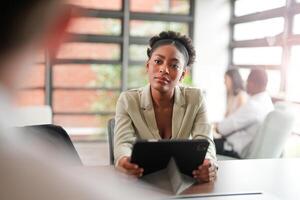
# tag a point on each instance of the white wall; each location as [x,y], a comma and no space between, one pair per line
[211,39]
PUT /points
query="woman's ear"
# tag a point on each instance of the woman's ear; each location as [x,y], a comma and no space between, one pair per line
[182,75]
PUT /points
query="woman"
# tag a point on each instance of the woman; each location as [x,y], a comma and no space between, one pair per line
[163,109]
[236,95]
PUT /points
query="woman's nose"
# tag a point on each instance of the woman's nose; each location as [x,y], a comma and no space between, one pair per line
[164,68]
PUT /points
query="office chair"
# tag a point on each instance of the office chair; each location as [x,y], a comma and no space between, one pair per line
[273,133]
[271,136]
[52,137]
[110,128]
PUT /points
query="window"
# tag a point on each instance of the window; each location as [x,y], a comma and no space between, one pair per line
[161,6]
[293,92]
[267,28]
[257,56]
[267,34]
[149,28]
[244,7]
[106,55]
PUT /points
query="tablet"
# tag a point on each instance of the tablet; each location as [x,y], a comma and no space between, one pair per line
[154,155]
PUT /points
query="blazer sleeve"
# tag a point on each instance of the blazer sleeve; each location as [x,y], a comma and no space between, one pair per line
[202,129]
[124,131]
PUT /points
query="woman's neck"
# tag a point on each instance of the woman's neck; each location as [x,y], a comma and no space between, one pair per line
[162,100]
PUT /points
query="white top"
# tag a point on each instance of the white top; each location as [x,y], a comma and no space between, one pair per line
[240,127]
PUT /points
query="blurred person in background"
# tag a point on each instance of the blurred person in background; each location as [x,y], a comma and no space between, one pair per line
[237,131]
[236,94]
[33,171]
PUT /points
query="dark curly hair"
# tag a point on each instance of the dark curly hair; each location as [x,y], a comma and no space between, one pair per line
[177,37]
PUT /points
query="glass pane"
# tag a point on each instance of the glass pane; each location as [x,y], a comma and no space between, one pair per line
[150,28]
[30,98]
[293,80]
[84,127]
[161,6]
[86,75]
[81,121]
[244,7]
[296,24]
[137,76]
[138,52]
[98,4]
[257,55]
[100,26]
[258,29]
[89,51]
[274,78]
[84,101]
[35,77]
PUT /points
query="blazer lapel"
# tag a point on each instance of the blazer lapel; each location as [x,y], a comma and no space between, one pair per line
[148,111]
[178,112]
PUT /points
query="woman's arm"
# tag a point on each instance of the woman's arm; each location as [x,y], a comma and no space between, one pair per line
[124,138]
[206,172]
[202,129]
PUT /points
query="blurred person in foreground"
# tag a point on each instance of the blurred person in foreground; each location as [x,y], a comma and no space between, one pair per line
[237,131]
[164,109]
[33,171]
[236,94]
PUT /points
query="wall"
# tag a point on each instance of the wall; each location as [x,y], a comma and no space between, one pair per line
[211,39]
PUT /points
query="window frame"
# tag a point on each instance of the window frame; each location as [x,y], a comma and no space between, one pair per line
[285,40]
[124,40]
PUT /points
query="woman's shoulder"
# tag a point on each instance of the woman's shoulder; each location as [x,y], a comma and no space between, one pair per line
[190,89]
[132,93]
[192,93]
[242,95]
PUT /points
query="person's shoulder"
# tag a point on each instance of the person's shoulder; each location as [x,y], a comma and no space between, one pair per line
[132,92]
[131,95]
[192,93]
[243,94]
[189,90]
[242,97]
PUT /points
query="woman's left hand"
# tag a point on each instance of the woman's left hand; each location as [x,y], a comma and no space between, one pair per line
[207,172]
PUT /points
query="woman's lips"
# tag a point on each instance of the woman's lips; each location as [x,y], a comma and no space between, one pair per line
[162,79]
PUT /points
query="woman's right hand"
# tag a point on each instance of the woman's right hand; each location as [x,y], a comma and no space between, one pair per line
[129,168]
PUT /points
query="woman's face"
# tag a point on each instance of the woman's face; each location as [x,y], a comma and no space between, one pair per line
[228,83]
[165,68]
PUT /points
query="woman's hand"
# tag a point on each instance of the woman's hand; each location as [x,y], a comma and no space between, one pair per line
[207,172]
[129,168]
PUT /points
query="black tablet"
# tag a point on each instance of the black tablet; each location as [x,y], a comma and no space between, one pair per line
[154,155]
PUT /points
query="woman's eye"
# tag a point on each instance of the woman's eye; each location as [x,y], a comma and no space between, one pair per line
[157,61]
[175,66]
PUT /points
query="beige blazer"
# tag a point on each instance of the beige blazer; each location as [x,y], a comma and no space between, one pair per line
[135,119]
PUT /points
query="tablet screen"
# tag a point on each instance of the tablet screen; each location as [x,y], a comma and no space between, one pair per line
[155,155]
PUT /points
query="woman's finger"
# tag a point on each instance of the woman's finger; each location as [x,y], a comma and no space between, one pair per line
[130,166]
